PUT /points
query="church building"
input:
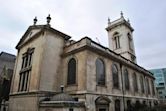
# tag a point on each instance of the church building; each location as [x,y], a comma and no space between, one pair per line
[55,73]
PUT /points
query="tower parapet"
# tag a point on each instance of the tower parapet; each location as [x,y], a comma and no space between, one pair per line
[120,37]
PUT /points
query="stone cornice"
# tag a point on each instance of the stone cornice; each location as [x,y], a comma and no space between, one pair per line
[61,104]
[118,23]
[42,29]
[87,44]
[117,95]
[31,93]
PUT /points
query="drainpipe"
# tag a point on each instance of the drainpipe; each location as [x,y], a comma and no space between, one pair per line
[122,86]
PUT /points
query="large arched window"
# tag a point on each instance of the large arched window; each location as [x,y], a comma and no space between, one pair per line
[116,40]
[71,77]
[142,84]
[100,72]
[130,41]
[126,79]
[117,105]
[147,86]
[135,84]
[153,88]
[115,76]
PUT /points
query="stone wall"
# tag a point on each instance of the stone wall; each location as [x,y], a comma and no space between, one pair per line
[23,103]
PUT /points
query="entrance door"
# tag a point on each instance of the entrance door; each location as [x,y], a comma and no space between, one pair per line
[102,103]
[102,109]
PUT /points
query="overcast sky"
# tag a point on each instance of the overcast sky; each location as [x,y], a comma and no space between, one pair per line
[79,18]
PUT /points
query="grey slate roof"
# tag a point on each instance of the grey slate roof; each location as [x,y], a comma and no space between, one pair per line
[7,57]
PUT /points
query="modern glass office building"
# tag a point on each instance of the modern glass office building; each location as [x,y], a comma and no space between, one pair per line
[160,82]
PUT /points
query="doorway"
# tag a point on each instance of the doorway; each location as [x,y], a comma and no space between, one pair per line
[102,103]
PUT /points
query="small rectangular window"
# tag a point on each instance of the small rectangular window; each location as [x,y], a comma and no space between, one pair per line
[160,92]
[76,99]
[161,83]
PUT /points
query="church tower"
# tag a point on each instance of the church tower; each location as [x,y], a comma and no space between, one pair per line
[120,38]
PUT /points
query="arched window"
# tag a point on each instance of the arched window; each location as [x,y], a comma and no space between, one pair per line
[142,84]
[71,77]
[100,72]
[147,86]
[150,104]
[130,41]
[115,76]
[155,103]
[144,103]
[117,40]
[117,105]
[137,105]
[135,84]
[126,79]
[153,88]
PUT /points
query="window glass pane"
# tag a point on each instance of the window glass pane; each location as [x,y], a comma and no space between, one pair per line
[25,69]
[116,40]
[153,88]
[115,76]
[19,87]
[147,86]
[135,82]
[23,61]
[130,42]
[26,60]
[71,78]
[26,82]
[126,79]
[30,59]
[142,84]
[100,72]
[23,81]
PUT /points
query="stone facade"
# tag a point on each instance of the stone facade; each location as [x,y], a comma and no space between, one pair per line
[49,69]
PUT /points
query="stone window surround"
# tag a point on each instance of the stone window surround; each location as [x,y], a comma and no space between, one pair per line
[100,81]
[25,70]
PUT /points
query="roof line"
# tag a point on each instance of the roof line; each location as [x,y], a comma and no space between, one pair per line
[7,53]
